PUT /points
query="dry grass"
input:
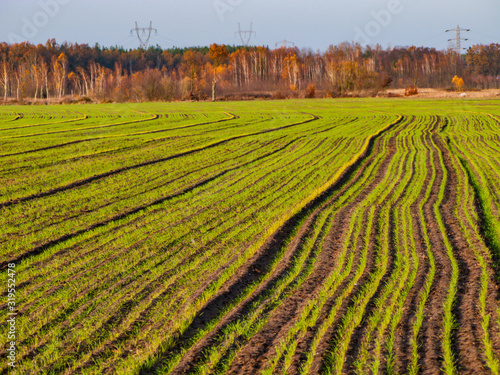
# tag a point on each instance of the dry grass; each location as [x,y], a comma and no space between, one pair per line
[440,94]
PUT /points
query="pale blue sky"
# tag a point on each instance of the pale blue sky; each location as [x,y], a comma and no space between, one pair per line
[311,24]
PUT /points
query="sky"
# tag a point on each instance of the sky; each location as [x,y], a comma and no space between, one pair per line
[313,24]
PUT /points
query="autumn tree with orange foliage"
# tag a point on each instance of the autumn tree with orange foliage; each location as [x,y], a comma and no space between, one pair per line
[191,69]
[61,72]
[219,55]
[458,82]
[291,70]
[59,68]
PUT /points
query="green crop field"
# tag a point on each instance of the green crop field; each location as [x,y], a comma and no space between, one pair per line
[280,237]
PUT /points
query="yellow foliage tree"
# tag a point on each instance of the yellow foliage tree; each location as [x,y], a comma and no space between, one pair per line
[291,70]
[59,68]
[458,82]
[218,54]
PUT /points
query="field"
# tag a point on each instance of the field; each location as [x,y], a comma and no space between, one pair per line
[285,237]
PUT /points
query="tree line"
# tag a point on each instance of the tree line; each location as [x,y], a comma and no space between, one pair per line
[70,70]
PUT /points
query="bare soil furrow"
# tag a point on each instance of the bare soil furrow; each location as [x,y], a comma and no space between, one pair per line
[403,340]
[388,151]
[251,358]
[252,271]
[468,330]
[392,271]
[431,352]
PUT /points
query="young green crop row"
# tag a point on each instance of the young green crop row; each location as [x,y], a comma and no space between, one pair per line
[287,237]
[256,180]
[155,173]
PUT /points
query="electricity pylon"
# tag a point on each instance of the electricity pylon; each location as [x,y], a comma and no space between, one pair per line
[284,43]
[245,35]
[144,43]
[458,39]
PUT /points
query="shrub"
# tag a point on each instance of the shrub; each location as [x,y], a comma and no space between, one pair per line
[311,91]
[410,90]
[84,99]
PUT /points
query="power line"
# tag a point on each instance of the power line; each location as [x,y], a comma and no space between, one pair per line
[458,39]
[486,36]
[170,40]
[144,43]
[127,40]
[262,43]
[245,35]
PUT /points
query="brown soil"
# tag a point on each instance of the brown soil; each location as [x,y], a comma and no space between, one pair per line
[404,335]
[469,333]
[282,318]
[431,353]
[123,310]
[252,356]
[325,343]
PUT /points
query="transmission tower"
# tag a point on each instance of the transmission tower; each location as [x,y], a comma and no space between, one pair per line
[245,35]
[146,33]
[458,39]
[284,43]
